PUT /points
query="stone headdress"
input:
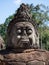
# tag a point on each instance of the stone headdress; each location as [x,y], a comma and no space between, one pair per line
[23,14]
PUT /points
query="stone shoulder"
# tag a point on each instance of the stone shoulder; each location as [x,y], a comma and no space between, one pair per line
[29,55]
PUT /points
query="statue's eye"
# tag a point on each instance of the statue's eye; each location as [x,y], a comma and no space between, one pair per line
[29,31]
[19,31]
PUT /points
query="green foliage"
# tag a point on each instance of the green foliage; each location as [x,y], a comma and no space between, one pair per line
[39,13]
[3,27]
[8,20]
[45,37]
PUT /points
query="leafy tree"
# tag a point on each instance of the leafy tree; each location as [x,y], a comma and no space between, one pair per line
[45,37]
[39,14]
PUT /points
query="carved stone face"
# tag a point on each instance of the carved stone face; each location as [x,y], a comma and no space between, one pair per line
[23,35]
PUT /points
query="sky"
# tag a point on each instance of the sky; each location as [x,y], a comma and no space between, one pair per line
[8,7]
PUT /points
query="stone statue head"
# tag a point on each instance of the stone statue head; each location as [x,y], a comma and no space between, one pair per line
[21,31]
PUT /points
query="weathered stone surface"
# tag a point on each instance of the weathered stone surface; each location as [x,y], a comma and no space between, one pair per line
[36,63]
[28,57]
[2,45]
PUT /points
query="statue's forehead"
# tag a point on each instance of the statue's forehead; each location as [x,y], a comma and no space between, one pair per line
[23,24]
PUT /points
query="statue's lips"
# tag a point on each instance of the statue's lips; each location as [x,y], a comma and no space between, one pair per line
[25,41]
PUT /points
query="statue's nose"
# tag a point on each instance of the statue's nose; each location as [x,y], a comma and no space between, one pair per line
[24,32]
